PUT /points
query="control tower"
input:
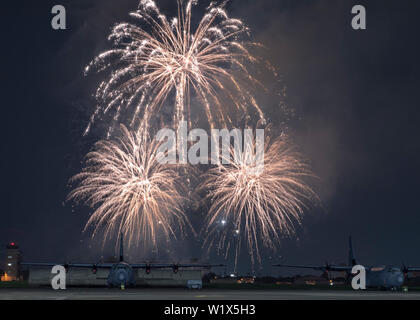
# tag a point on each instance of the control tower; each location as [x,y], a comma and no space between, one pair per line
[11,265]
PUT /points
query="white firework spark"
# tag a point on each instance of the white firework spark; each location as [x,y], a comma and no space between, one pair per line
[253,204]
[159,59]
[130,191]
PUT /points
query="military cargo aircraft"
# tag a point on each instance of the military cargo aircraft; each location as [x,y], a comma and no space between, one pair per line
[122,273]
[384,277]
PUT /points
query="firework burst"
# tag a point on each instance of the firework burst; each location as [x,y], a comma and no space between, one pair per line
[256,204]
[162,60]
[131,191]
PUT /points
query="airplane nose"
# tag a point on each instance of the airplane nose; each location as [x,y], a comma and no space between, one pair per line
[401,279]
[121,276]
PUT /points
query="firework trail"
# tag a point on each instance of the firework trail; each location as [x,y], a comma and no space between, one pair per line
[254,203]
[131,191]
[160,60]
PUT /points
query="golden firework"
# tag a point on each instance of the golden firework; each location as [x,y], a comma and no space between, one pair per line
[160,59]
[130,191]
[254,201]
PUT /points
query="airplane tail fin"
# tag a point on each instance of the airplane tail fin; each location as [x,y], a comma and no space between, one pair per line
[352,260]
[121,248]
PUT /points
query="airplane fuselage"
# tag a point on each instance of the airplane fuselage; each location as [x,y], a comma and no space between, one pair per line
[121,274]
[383,277]
[387,277]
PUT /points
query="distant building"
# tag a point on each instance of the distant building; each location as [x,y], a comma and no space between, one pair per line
[11,265]
[248,280]
[224,280]
[284,281]
[311,280]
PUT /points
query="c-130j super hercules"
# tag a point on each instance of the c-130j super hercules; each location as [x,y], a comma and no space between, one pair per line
[121,274]
[385,277]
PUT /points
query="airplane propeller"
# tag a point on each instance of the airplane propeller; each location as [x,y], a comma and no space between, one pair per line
[327,269]
[175,268]
[405,270]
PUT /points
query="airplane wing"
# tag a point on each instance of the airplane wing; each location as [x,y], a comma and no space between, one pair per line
[37,264]
[413,269]
[338,268]
[154,266]
[322,268]
[206,266]
[299,266]
[172,265]
[68,265]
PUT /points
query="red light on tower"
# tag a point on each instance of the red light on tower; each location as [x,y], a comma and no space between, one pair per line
[12,263]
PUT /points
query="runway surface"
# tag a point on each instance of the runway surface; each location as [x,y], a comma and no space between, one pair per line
[184,294]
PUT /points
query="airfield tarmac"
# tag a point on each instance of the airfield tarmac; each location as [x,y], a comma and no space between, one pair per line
[205,294]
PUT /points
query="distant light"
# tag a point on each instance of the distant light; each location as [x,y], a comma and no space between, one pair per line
[237,231]
[232,275]
[9,264]
[12,244]
[223,222]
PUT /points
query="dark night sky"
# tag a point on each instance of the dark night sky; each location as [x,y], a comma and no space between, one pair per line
[355,94]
